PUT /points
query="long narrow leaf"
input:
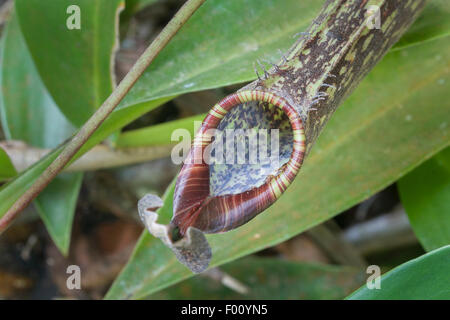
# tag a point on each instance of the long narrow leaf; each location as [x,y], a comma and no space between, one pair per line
[31,115]
[425,194]
[426,277]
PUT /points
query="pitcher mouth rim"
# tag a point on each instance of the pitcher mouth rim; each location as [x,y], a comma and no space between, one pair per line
[237,205]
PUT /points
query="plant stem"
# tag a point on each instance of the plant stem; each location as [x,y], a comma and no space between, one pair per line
[327,63]
[180,18]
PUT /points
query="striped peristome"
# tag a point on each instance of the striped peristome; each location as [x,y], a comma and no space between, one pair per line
[194,206]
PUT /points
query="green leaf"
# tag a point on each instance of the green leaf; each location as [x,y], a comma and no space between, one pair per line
[75,65]
[425,194]
[56,206]
[379,133]
[160,134]
[269,278]
[7,169]
[86,56]
[29,112]
[433,23]
[426,277]
[12,190]
[30,115]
